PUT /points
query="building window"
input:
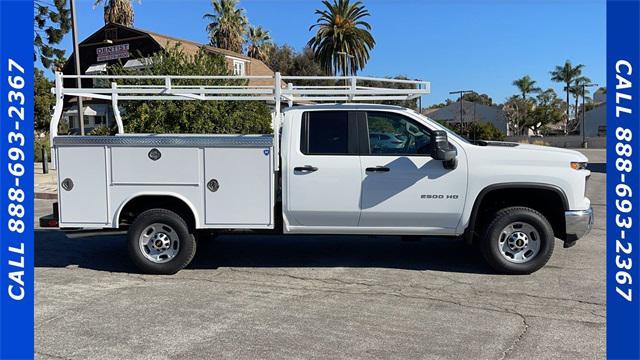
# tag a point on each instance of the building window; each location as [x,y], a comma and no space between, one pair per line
[100,120]
[238,68]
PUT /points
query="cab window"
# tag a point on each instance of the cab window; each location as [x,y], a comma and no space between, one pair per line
[328,133]
[394,134]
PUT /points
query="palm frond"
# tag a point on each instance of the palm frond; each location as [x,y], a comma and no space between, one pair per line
[340,30]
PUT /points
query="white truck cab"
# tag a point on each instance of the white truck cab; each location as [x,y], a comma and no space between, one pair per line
[348,168]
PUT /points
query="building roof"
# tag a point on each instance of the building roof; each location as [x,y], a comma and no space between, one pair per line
[257,67]
[192,47]
[254,67]
[451,112]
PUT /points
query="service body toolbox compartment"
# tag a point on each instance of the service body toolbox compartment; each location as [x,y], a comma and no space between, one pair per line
[227,180]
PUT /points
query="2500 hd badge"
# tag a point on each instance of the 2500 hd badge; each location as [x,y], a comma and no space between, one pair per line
[439,196]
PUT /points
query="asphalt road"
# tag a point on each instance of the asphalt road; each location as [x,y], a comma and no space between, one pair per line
[319,297]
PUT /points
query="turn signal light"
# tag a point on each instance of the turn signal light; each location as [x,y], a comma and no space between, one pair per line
[575,165]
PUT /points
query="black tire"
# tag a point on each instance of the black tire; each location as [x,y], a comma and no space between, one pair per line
[503,218]
[186,250]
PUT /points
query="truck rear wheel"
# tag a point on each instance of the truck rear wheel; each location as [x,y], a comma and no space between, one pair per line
[518,241]
[160,242]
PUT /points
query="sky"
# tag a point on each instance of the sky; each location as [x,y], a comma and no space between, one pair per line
[482,45]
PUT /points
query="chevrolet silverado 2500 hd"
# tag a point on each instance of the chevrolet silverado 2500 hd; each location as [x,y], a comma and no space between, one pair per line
[330,171]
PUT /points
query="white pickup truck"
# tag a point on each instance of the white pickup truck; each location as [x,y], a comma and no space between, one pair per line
[332,169]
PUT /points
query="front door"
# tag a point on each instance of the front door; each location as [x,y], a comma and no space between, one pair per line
[323,171]
[402,185]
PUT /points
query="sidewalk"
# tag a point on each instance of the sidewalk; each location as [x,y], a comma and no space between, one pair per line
[45,185]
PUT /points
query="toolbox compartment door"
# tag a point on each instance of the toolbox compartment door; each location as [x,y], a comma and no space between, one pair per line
[82,186]
[169,166]
[238,186]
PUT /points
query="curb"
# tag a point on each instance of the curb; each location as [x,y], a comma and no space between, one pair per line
[46,196]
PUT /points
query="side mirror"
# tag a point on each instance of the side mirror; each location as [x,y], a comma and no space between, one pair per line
[440,148]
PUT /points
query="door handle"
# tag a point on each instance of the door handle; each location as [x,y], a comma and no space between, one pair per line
[378,169]
[306,168]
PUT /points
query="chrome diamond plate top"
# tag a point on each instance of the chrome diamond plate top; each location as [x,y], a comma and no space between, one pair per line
[181,140]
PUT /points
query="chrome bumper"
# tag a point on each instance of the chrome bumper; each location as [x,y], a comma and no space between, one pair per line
[578,223]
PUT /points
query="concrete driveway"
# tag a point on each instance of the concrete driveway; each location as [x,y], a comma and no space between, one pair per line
[319,297]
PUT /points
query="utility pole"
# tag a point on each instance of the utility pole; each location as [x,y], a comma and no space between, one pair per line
[475,127]
[76,51]
[420,99]
[582,128]
[461,93]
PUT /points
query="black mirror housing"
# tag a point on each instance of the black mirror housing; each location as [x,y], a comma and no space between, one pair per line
[440,147]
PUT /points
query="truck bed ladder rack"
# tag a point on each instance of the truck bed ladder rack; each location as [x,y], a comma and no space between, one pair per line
[276,89]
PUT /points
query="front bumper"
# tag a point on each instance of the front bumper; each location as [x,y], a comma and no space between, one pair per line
[578,224]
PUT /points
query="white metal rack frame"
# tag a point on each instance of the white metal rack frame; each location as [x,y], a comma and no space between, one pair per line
[279,89]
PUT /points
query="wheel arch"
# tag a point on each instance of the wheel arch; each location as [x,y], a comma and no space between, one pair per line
[167,200]
[493,189]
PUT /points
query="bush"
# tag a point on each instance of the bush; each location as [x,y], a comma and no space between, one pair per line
[38,143]
[63,128]
[102,130]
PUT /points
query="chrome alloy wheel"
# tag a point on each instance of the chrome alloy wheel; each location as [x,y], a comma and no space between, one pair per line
[519,242]
[159,243]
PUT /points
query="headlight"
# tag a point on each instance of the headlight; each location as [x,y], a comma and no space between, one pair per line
[577,165]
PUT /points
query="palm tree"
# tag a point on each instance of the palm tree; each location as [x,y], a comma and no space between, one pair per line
[576,91]
[117,11]
[342,33]
[566,74]
[227,25]
[259,43]
[526,86]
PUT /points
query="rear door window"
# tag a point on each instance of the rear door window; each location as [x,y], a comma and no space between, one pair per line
[328,133]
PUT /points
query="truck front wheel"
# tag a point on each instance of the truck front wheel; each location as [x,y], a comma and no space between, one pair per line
[519,240]
[160,242]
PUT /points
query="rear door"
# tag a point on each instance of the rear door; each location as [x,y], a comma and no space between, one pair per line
[402,185]
[323,172]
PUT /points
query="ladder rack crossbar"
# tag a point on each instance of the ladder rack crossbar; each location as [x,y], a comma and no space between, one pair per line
[162,90]
[177,77]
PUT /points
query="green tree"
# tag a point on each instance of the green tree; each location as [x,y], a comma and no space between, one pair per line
[43,101]
[548,110]
[304,64]
[436,106]
[516,111]
[202,117]
[117,11]
[411,104]
[341,29]
[227,25]
[474,97]
[281,58]
[287,61]
[477,130]
[259,43]
[566,74]
[52,20]
[526,85]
